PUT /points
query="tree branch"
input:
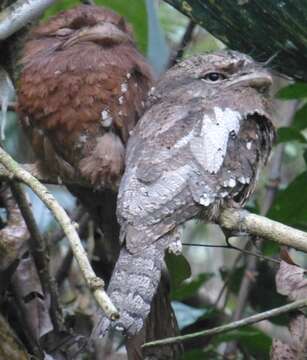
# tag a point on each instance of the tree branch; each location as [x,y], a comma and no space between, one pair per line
[38,248]
[233,325]
[19,14]
[95,284]
[242,220]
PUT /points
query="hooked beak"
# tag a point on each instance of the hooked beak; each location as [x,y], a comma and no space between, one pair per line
[104,33]
[260,80]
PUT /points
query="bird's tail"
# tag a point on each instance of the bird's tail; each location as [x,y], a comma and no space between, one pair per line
[132,286]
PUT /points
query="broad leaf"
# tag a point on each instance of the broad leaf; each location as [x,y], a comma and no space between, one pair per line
[300,118]
[290,205]
[293,91]
[179,269]
[286,134]
[190,288]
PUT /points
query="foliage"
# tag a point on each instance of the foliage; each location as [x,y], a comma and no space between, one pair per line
[245,26]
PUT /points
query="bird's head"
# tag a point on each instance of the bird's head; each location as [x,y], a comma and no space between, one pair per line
[226,79]
[83,24]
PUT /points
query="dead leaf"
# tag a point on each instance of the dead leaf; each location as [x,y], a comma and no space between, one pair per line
[28,290]
[291,281]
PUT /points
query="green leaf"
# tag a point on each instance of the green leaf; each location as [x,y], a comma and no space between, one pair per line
[194,354]
[59,6]
[290,205]
[257,343]
[300,118]
[270,248]
[179,269]
[134,11]
[190,288]
[287,134]
[293,91]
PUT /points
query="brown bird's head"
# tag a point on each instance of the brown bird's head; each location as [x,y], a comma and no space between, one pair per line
[76,26]
[83,86]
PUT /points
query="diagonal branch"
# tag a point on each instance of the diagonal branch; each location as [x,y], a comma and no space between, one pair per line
[19,14]
[40,256]
[233,325]
[95,284]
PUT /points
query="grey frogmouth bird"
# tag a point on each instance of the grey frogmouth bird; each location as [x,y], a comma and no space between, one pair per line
[198,149]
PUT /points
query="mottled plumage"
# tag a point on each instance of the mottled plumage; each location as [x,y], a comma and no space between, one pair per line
[198,148]
[80,93]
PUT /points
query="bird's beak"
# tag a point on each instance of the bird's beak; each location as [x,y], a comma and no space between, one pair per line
[104,33]
[258,79]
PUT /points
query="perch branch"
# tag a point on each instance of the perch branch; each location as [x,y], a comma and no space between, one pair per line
[242,220]
[19,14]
[95,284]
[233,325]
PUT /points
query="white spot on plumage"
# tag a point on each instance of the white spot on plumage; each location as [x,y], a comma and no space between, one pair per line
[206,200]
[121,100]
[128,75]
[83,138]
[232,183]
[106,118]
[249,145]
[124,87]
[242,180]
[209,147]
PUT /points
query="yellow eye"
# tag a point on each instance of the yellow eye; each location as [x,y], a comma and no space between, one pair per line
[214,77]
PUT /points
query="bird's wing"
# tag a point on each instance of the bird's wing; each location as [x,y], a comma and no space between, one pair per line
[191,158]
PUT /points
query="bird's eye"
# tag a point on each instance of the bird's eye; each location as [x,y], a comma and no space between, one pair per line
[214,77]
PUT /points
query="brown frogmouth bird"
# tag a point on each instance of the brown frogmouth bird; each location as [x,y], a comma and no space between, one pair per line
[198,149]
[81,90]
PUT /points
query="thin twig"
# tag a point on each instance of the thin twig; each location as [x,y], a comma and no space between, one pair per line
[187,36]
[94,283]
[40,256]
[233,325]
[19,14]
[78,216]
[39,174]
[229,246]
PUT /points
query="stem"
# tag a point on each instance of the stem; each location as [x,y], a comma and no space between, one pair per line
[94,283]
[233,325]
[40,256]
